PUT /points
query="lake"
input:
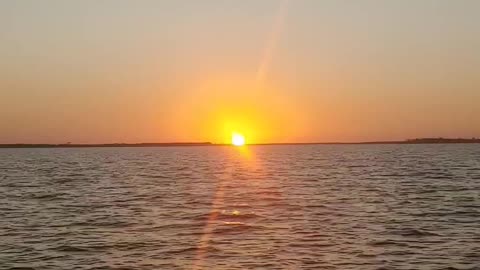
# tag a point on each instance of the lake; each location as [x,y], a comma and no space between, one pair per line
[256,207]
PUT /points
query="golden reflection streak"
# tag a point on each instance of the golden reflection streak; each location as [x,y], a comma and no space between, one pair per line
[207,230]
[247,156]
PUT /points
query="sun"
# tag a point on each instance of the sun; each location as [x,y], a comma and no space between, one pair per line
[238,139]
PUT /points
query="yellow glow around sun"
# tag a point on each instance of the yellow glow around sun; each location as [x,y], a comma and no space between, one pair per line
[238,139]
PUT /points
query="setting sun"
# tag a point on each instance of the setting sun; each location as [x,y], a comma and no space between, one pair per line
[238,139]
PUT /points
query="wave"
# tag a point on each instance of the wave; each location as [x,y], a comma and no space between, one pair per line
[235,228]
[414,233]
[193,250]
[67,248]
[230,215]
[383,243]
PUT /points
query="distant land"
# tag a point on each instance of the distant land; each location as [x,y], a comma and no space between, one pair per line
[72,145]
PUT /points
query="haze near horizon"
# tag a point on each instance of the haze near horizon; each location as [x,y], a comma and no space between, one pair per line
[273,70]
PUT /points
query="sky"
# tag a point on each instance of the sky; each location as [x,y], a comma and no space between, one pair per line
[274,70]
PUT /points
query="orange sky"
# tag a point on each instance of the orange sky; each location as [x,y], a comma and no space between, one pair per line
[274,70]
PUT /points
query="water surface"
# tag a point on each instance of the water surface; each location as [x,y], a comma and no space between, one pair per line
[262,207]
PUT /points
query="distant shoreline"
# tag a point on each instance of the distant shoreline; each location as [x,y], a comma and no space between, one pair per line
[71,145]
[190,144]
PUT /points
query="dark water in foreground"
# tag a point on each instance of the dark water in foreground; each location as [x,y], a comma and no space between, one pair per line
[267,207]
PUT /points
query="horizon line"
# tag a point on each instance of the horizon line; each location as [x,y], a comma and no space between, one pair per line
[170,144]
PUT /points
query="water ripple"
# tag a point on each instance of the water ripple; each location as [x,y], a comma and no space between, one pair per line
[280,207]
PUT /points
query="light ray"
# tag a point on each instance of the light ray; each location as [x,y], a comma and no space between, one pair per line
[272,40]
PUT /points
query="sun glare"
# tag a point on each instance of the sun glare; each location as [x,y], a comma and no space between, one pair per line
[238,139]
